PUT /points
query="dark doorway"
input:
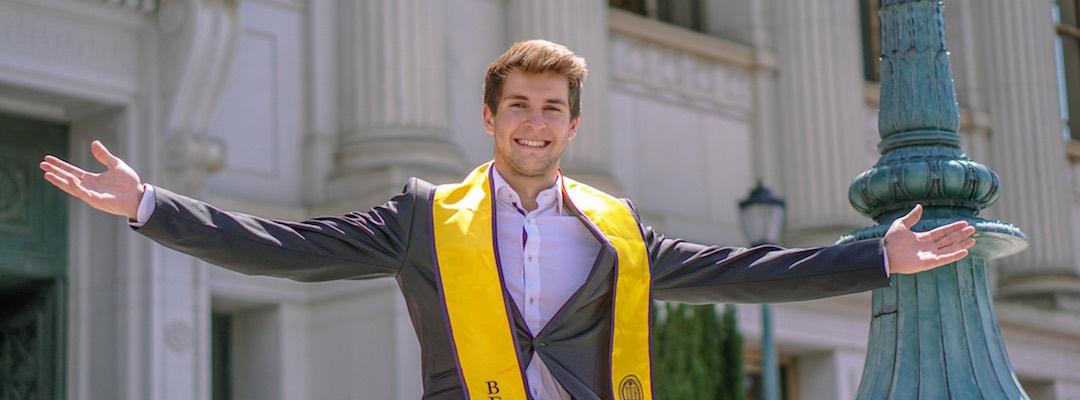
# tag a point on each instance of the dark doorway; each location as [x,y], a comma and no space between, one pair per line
[33,262]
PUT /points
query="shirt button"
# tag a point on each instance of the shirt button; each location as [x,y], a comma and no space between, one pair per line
[532,300]
[530,258]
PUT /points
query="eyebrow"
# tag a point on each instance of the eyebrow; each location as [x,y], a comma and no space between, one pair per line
[523,97]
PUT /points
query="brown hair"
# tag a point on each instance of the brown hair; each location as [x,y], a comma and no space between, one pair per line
[536,56]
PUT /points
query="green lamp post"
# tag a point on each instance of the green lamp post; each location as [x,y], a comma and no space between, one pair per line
[761,217]
[934,334]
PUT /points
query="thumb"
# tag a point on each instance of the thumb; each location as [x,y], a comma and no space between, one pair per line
[103,155]
[912,216]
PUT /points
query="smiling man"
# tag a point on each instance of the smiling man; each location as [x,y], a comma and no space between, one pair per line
[520,282]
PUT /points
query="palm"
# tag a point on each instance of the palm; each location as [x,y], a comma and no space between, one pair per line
[115,191]
[910,252]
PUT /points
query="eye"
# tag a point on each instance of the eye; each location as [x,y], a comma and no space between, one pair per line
[553,108]
[517,105]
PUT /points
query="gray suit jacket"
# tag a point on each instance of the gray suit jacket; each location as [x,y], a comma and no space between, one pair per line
[394,240]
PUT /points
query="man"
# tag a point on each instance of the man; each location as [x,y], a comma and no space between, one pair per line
[520,282]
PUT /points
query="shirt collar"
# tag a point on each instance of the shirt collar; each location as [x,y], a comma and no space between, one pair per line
[550,198]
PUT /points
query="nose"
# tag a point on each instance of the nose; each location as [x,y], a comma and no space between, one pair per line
[534,121]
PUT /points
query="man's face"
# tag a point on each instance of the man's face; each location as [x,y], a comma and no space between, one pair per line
[532,124]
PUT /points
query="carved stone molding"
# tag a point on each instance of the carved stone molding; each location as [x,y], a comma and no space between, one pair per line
[189,158]
[15,200]
[178,336]
[679,77]
[46,42]
[197,42]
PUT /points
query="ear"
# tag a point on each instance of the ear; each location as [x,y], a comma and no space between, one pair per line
[489,121]
[573,128]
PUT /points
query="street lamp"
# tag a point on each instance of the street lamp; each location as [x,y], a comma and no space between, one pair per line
[761,216]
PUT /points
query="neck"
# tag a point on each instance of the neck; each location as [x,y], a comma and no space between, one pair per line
[527,187]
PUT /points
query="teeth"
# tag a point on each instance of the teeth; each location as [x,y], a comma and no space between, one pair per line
[531,143]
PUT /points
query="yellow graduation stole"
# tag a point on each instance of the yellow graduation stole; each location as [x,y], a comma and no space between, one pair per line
[477,309]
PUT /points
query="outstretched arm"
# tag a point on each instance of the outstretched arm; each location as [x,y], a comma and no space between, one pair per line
[356,245]
[694,273]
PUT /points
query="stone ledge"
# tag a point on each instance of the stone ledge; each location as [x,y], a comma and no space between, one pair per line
[698,44]
[1031,319]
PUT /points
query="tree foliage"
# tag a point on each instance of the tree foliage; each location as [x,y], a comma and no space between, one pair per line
[697,354]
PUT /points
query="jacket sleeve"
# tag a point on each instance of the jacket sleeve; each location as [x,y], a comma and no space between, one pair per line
[358,245]
[695,273]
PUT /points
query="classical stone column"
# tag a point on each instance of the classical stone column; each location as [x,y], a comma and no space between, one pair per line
[821,115]
[581,26]
[1018,79]
[393,111]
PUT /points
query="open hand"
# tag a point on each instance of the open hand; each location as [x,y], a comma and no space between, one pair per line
[118,190]
[910,252]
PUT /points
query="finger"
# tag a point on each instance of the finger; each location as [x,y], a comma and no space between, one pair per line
[63,184]
[942,231]
[912,216]
[57,162]
[103,155]
[955,237]
[47,167]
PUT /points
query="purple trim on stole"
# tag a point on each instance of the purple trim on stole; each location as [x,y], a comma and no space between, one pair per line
[648,260]
[507,299]
[442,295]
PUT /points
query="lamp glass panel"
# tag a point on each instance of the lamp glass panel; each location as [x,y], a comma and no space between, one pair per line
[762,223]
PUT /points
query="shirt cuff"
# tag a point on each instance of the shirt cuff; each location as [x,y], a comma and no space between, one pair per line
[147,206]
[884,253]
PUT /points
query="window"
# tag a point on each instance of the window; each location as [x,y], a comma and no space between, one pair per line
[688,14]
[634,6]
[871,39]
[1068,64]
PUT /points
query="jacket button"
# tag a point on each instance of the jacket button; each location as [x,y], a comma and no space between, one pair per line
[542,344]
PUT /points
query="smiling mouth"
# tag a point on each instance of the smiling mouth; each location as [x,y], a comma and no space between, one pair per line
[536,144]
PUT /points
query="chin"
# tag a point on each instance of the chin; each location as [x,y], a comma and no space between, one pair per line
[533,171]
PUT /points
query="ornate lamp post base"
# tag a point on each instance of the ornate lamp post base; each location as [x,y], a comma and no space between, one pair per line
[933,335]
